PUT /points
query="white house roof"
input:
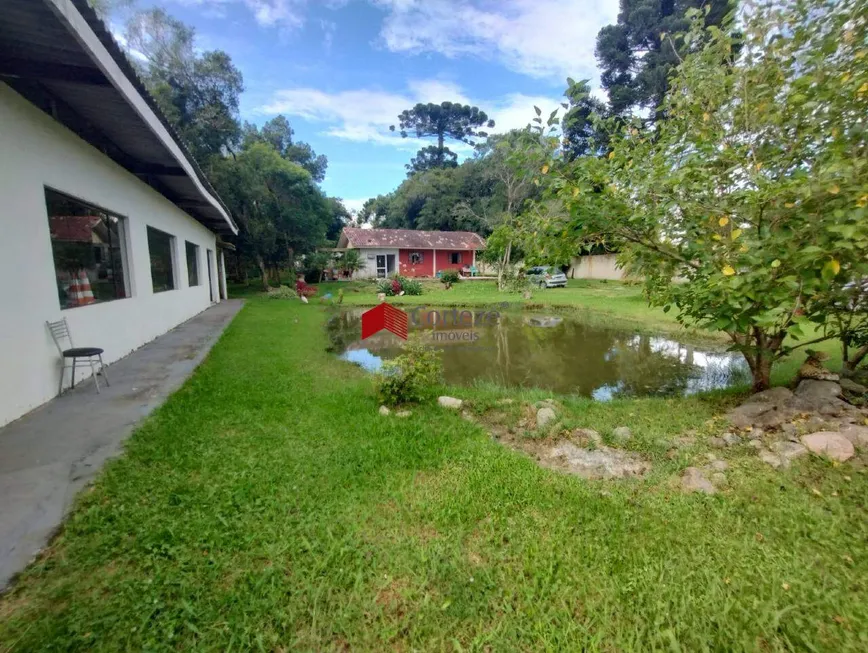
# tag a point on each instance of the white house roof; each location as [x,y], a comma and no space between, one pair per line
[410,239]
[59,55]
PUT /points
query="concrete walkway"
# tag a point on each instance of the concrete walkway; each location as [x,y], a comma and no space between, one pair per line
[48,455]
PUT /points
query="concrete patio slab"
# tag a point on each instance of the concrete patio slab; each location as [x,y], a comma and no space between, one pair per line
[48,455]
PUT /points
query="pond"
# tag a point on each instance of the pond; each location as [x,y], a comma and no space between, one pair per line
[552,352]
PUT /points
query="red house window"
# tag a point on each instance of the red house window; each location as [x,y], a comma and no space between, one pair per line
[455,258]
[415,258]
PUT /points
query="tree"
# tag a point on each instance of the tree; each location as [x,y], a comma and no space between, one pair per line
[749,203]
[280,209]
[278,133]
[579,122]
[460,122]
[637,54]
[340,218]
[198,92]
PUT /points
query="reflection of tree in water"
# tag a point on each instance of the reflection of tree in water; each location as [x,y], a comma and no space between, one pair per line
[569,357]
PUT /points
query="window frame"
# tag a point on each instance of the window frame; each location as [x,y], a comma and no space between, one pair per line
[123,246]
[173,259]
[456,255]
[418,256]
[187,245]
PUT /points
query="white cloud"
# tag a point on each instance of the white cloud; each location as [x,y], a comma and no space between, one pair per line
[540,38]
[364,115]
[354,205]
[287,14]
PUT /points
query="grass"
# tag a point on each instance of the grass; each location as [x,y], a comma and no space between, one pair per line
[268,506]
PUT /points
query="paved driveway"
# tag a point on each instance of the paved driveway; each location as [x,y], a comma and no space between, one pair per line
[51,453]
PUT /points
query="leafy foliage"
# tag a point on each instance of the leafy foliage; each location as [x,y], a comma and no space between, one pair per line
[450,277]
[581,135]
[753,190]
[638,54]
[398,284]
[412,377]
[278,133]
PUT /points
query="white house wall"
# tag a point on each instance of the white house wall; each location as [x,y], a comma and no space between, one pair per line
[369,259]
[36,152]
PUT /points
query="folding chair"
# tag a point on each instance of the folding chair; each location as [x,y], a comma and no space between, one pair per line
[60,332]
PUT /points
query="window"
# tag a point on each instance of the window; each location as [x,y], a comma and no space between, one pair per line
[192,263]
[415,258]
[455,258]
[161,247]
[87,244]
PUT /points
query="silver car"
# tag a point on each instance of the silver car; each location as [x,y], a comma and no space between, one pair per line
[547,276]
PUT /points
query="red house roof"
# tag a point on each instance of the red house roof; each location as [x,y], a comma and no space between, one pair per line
[410,239]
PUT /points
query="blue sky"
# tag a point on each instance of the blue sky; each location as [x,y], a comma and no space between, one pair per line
[342,70]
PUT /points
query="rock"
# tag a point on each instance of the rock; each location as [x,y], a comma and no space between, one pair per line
[830,444]
[777,395]
[717,443]
[545,416]
[584,437]
[731,439]
[856,434]
[809,388]
[450,402]
[384,410]
[684,441]
[849,385]
[771,458]
[719,478]
[381,297]
[403,413]
[600,463]
[719,465]
[505,402]
[756,434]
[468,416]
[756,444]
[693,480]
[622,434]
[748,414]
[789,429]
[788,450]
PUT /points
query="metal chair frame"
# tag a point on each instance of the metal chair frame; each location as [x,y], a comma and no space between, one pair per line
[59,331]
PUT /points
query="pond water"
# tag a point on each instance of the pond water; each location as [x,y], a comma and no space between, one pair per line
[556,353]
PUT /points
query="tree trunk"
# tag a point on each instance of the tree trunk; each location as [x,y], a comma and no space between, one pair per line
[762,373]
[504,262]
[262,271]
[852,362]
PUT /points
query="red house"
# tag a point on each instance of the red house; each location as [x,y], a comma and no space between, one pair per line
[409,252]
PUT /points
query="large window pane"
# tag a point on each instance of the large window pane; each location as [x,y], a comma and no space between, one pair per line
[87,245]
[192,263]
[160,247]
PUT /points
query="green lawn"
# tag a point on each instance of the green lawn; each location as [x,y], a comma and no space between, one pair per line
[268,506]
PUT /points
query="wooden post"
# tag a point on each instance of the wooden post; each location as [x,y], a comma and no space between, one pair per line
[434,263]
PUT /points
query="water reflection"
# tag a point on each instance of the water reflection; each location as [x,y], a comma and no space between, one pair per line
[559,354]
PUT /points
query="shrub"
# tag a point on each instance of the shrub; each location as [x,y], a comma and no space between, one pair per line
[448,277]
[412,287]
[397,284]
[282,292]
[411,377]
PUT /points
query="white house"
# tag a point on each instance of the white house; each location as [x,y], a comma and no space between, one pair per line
[106,219]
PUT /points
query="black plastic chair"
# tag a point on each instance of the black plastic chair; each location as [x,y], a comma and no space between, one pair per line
[60,332]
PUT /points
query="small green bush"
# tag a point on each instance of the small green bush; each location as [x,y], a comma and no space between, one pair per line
[282,292]
[412,287]
[398,284]
[412,377]
[448,277]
